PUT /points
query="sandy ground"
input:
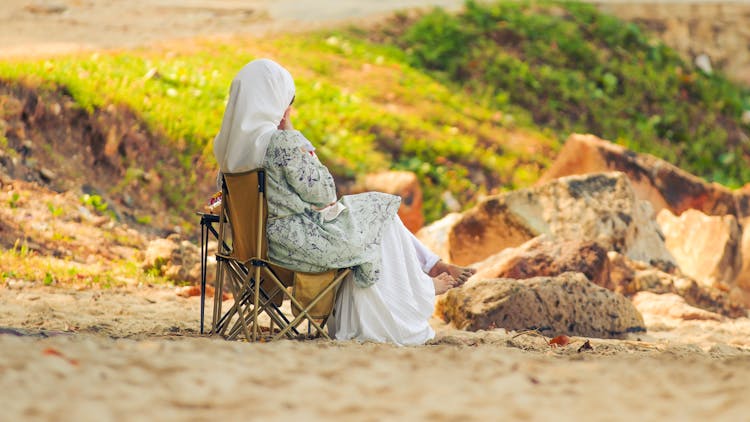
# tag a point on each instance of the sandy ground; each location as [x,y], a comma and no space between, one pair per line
[134,354]
[44,27]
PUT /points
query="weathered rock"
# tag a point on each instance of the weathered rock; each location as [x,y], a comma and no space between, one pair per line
[175,259]
[662,184]
[743,276]
[596,207]
[742,281]
[47,174]
[630,277]
[406,185]
[546,256]
[672,306]
[435,235]
[567,304]
[706,248]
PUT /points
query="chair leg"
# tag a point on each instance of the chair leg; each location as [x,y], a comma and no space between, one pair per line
[218,293]
[256,298]
[237,292]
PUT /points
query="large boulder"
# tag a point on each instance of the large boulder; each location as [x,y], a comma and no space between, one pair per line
[435,235]
[657,181]
[404,184]
[566,304]
[546,256]
[706,248]
[596,207]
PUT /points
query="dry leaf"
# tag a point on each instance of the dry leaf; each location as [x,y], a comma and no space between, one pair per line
[559,341]
[192,291]
[54,352]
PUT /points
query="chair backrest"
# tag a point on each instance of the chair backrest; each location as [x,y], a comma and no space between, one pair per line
[245,201]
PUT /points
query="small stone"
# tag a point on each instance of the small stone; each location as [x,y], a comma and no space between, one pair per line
[42,8]
[451,204]
[55,109]
[47,174]
[703,62]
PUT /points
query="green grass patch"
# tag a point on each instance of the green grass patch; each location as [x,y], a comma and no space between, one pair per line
[20,263]
[573,69]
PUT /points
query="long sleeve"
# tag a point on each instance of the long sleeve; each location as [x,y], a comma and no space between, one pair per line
[306,175]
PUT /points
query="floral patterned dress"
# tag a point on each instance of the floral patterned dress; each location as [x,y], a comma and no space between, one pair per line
[299,237]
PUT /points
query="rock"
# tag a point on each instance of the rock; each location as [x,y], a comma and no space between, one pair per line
[630,277]
[672,306]
[743,277]
[706,248]
[158,252]
[596,207]
[192,291]
[406,185]
[27,147]
[435,235]
[545,256]
[450,202]
[653,179]
[703,62]
[173,259]
[47,174]
[568,304]
[44,8]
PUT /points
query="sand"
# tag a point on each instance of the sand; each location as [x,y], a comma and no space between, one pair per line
[80,354]
[135,354]
[47,27]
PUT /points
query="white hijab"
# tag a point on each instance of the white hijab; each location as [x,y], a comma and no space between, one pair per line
[258,97]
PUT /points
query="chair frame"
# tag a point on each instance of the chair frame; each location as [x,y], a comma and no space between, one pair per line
[248,278]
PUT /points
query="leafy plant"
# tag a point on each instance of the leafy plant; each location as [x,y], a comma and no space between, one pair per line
[95,202]
[575,69]
[13,201]
[55,211]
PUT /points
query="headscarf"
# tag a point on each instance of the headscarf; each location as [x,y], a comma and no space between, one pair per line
[258,97]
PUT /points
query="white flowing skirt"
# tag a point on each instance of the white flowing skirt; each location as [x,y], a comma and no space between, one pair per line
[397,308]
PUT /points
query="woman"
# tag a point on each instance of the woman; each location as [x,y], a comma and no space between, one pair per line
[390,297]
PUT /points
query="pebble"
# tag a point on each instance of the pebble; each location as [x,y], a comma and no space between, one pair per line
[47,174]
[42,8]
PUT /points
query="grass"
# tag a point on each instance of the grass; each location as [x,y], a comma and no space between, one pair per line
[19,263]
[573,69]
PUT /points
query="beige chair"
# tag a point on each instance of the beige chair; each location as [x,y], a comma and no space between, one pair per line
[258,286]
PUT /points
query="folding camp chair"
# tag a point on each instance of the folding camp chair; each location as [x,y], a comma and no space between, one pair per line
[258,286]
